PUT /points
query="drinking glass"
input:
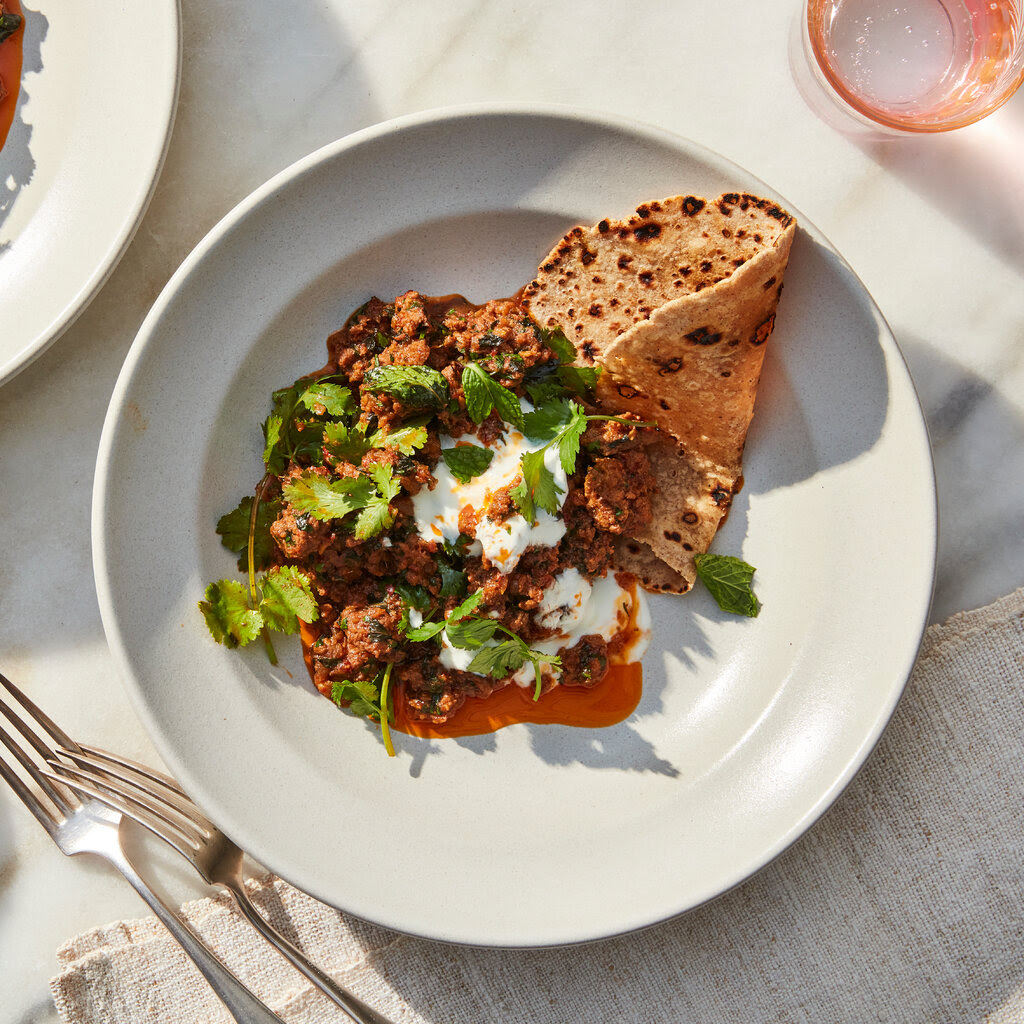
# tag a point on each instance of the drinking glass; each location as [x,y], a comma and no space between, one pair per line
[916,65]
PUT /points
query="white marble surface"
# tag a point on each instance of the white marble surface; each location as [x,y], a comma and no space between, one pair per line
[933,226]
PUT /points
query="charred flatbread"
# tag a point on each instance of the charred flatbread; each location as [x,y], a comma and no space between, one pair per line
[676,304]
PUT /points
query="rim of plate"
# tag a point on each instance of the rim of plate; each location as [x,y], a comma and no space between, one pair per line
[89,283]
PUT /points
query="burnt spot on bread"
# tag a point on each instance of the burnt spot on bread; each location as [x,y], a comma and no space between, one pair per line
[647,232]
[595,309]
[613,302]
[738,262]
[633,548]
[673,536]
[646,277]
[721,497]
[692,205]
[673,365]
[769,282]
[627,390]
[690,518]
[603,226]
[685,271]
[764,329]
[687,546]
[587,256]
[595,279]
[589,351]
[705,266]
[624,262]
[664,405]
[644,211]
[726,373]
[704,336]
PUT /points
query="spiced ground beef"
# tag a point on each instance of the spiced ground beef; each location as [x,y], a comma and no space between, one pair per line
[366,588]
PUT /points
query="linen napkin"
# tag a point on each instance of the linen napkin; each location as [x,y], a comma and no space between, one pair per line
[904,903]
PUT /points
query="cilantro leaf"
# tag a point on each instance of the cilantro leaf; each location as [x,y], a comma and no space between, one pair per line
[537,487]
[425,632]
[548,419]
[406,438]
[325,499]
[568,440]
[419,387]
[728,579]
[333,398]
[498,661]
[377,514]
[286,598]
[467,461]
[470,633]
[361,697]
[460,611]
[346,444]
[227,613]
[233,528]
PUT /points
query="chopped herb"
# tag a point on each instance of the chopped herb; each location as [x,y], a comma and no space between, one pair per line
[233,528]
[377,514]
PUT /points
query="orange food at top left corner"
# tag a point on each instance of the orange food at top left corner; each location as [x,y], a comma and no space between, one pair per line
[10,63]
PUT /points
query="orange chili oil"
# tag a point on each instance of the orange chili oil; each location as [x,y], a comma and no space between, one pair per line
[610,701]
[10,69]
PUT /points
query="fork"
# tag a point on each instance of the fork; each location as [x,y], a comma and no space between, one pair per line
[157,802]
[92,826]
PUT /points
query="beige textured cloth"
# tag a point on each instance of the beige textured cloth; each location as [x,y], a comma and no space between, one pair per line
[903,904]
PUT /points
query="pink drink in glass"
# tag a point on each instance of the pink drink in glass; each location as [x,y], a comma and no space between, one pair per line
[919,65]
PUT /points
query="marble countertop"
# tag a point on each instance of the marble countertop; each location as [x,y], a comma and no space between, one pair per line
[934,227]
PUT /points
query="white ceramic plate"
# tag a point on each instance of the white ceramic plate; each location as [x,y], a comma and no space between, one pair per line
[748,728]
[98,91]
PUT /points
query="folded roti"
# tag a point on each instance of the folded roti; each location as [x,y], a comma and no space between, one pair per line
[676,304]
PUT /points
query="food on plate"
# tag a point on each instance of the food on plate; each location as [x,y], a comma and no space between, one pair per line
[676,303]
[469,497]
[11,32]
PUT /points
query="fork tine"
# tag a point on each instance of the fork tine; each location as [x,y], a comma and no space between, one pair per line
[107,772]
[55,732]
[27,797]
[144,770]
[64,803]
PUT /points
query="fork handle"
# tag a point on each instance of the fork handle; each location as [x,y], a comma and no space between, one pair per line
[245,1007]
[356,1009]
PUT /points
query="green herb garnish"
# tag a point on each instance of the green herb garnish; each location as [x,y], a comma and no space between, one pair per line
[418,387]
[728,579]
[484,394]
[284,598]
[467,461]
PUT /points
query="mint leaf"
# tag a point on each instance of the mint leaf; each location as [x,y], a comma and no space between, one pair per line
[227,613]
[419,387]
[286,598]
[728,580]
[506,404]
[453,581]
[324,499]
[580,380]
[467,461]
[476,392]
